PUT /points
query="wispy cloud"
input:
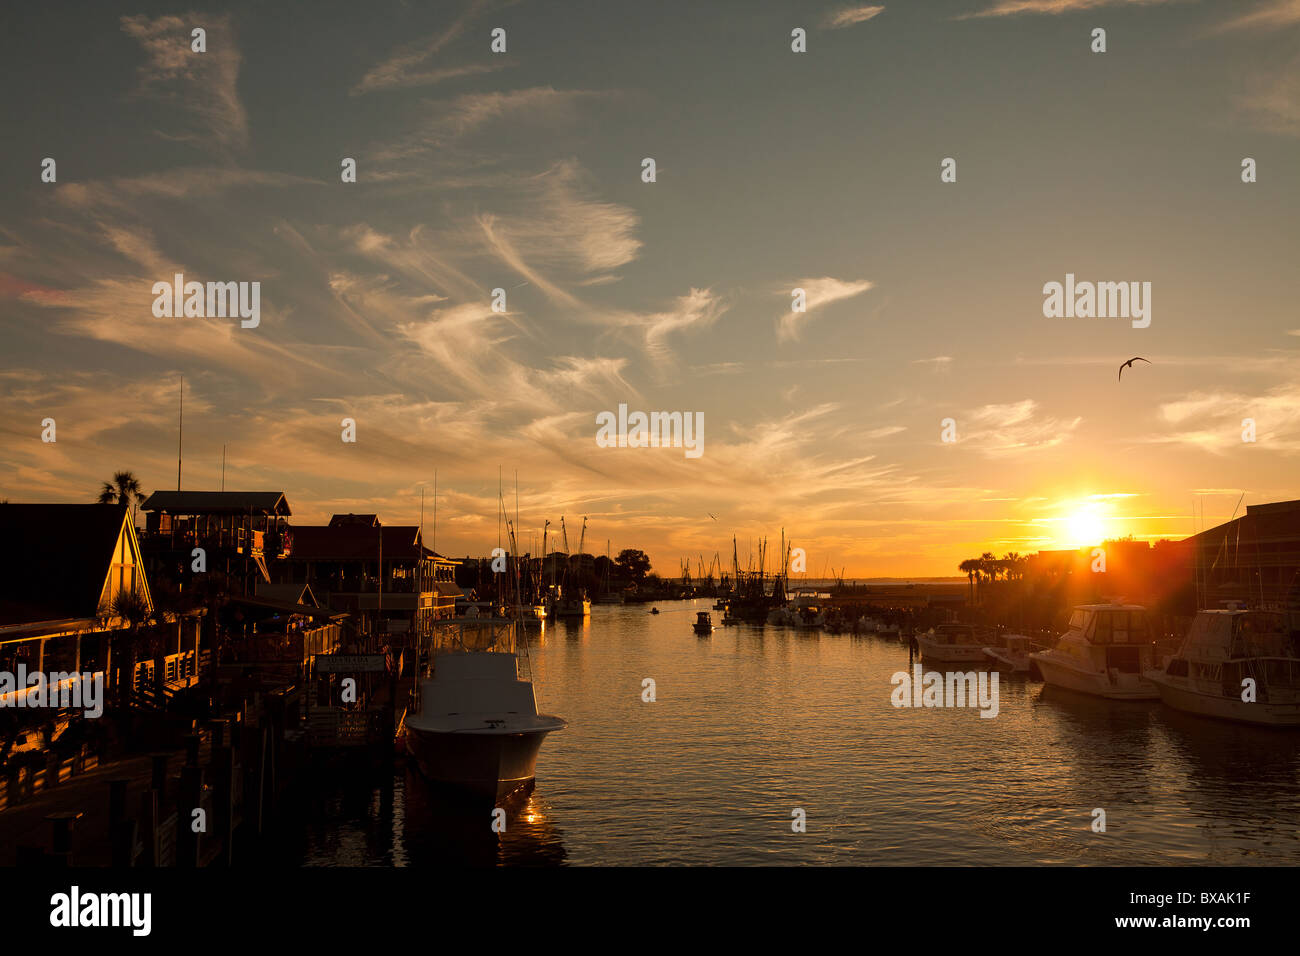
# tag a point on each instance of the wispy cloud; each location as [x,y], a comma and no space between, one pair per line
[1212,421]
[204,85]
[1013,427]
[851,16]
[940,363]
[819,294]
[1011,8]
[410,65]
[1272,99]
[1266,16]
[697,309]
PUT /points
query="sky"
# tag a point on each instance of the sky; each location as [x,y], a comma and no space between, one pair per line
[774,170]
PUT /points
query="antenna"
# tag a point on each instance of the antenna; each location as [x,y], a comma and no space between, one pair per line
[223,466]
[180,435]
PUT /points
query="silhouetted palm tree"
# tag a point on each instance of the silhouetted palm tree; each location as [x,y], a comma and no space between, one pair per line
[124,489]
[989,565]
[971,568]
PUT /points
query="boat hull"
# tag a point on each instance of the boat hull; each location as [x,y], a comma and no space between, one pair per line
[485,765]
[1180,695]
[1005,660]
[1060,671]
[940,653]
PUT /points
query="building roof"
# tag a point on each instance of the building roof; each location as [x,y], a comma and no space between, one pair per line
[218,502]
[292,594]
[55,559]
[355,542]
[1277,522]
[364,521]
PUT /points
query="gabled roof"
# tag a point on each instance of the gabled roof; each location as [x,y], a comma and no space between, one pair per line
[365,521]
[288,593]
[55,559]
[218,502]
[356,543]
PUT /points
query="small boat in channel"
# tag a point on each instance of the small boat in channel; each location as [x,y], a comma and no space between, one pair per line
[473,726]
[1105,652]
[1222,650]
[703,623]
[951,644]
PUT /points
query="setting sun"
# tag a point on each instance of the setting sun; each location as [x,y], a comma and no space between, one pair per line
[1086,526]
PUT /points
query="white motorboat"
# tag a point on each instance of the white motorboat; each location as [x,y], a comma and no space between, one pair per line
[951,644]
[1104,652]
[474,724]
[805,610]
[1012,656]
[1223,650]
[802,611]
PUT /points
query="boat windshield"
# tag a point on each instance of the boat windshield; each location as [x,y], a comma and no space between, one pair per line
[1121,627]
[1078,620]
[1258,634]
[474,634]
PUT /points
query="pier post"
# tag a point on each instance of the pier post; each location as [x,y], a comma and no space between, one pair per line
[191,797]
[117,799]
[254,777]
[217,732]
[63,824]
[158,781]
[149,826]
[222,819]
[122,842]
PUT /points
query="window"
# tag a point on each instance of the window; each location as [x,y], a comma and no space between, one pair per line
[1102,633]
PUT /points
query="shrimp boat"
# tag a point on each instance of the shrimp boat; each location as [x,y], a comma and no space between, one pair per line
[951,644]
[703,623]
[533,615]
[1105,652]
[1222,651]
[1012,656]
[561,605]
[473,724]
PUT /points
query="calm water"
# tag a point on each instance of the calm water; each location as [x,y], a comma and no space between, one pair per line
[754,722]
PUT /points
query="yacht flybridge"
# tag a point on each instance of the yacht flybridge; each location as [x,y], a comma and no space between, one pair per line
[1105,652]
[474,725]
[1236,665]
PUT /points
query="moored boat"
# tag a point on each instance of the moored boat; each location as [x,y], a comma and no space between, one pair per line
[1013,655]
[1236,665]
[474,725]
[951,644]
[570,605]
[1104,653]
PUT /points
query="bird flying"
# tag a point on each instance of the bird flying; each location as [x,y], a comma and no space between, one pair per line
[1136,358]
